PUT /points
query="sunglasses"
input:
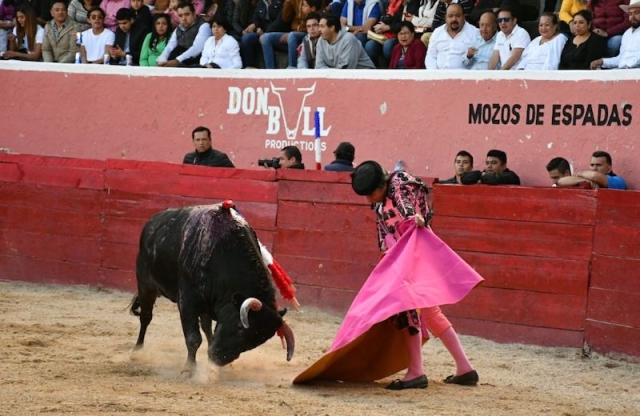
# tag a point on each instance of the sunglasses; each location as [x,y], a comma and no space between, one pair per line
[504,19]
[96,17]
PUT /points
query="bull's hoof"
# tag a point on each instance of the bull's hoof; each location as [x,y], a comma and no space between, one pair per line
[188,371]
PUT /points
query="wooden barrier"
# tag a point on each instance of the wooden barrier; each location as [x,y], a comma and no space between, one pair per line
[559,264]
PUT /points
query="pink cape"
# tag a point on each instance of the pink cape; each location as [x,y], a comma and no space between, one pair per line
[419,271]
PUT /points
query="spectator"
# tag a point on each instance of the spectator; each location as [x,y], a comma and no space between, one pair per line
[156,41]
[291,158]
[510,42]
[450,43]
[59,44]
[495,172]
[7,13]
[172,11]
[307,58]
[25,42]
[111,8]
[222,7]
[568,10]
[410,52]
[441,10]
[600,174]
[129,39]
[78,10]
[97,41]
[266,18]
[187,41]
[359,16]
[610,22]
[339,48]
[272,41]
[584,47]
[160,6]
[629,56]
[490,6]
[345,153]
[482,46]
[387,29]
[558,167]
[461,164]
[40,7]
[142,16]
[423,21]
[205,155]
[295,40]
[221,50]
[239,13]
[543,53]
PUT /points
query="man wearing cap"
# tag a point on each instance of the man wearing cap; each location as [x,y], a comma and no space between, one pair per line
[629,56]
[345,153]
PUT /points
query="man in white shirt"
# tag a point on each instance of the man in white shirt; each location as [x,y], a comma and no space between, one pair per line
[449,44]
[187,41]
[97,41]
[629,56]
[510,42]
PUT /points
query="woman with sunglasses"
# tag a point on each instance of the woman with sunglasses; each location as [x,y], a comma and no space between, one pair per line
[25,42]
[96,41]
[585,46]
[543,53]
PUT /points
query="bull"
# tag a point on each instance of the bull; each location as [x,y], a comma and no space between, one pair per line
[207,260]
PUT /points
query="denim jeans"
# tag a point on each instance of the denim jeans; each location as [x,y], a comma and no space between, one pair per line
[271,41]
[249,49]
[294,40]
[613,45]
[373,49]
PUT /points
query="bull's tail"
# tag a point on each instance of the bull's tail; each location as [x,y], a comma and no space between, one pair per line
[134,307]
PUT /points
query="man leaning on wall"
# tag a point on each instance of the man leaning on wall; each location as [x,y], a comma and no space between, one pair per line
[495,172]
[599,175]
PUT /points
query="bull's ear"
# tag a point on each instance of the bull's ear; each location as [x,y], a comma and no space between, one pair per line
[282,311]
[237,299]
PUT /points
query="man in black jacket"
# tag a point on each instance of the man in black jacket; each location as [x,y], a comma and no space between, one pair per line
[495,172]
[205,155]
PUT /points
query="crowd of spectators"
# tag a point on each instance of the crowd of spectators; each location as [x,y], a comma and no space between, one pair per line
[396,34]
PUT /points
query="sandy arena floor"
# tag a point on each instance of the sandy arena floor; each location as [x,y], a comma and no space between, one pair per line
[67,350]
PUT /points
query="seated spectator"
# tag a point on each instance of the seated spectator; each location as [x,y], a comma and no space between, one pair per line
[142,16]
[490,6]
[129,39]
[441,11]
[543,53]
[97,41]
[59,44]
[266,18]
[584,47]
[239,13]
[111,8]
[172,11]
[187,41]
[7,13]
[482,46]
[450,43]
[159,6]
[25,42]
[410,52]
[629,56]
[291,158]
[359,16]
[568,10]
[387,29]
[278,40]
[339,48]
[40,7]
[495,172]
[558,167]
[345,154]
[461,164]
[224,8]
[307,58]
[78,12]
[610,22]
[156,41]
[600,174]
[510,42]
[294,40]
[423,21]
[221,51]
[205,155]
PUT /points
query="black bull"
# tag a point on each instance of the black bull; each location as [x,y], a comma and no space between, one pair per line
[207,260]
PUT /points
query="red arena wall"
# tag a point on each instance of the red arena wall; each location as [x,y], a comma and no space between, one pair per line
[423,117]
[559,264]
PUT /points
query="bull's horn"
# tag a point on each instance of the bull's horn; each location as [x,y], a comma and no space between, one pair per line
[288,336]
[249,303]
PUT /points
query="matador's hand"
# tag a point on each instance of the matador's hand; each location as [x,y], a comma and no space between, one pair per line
[419,220]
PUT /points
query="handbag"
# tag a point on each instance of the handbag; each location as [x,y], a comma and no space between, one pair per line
[377,37]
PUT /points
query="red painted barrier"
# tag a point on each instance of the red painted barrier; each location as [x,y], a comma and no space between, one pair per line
[559,264]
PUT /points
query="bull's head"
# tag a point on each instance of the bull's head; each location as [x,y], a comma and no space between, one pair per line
[245,329]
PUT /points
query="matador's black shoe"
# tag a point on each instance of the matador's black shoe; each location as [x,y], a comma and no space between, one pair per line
[467,379]
[417,383]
